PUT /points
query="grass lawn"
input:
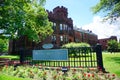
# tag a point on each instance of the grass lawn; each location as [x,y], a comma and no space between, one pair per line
[7,77]
[10,57]
[112,62]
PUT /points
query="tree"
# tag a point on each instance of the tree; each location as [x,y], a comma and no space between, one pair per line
[112,7]
[24,17]
[112,45]
[3,45]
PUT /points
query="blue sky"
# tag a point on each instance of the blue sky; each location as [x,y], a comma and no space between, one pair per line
[80,12]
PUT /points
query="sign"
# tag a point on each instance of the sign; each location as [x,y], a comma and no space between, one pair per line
[64,69]
[47,46]
[53,54]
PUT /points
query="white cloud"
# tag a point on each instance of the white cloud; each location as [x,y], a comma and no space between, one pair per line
[103,29]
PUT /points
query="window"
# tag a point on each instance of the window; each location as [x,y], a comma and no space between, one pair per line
[61,38]
[61,28]
[54,26]
[69,28]
[64,27]
[66,38]
[53,38]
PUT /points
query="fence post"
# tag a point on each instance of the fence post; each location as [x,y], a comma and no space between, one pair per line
[21,55]
[99,58]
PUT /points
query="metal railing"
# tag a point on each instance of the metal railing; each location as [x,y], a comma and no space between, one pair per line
[85,57]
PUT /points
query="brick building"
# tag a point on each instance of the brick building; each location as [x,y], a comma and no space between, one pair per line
[62,26]
[85,36]
[63,33]
[104,42]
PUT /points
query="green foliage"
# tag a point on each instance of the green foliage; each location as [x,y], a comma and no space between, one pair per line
[112,7]
[3,45]
[112,45]
[73,45]
[24,17]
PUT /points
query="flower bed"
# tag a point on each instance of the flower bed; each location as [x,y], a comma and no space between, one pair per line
[45,73]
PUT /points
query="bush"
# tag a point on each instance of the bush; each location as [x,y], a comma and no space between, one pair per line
[75,45]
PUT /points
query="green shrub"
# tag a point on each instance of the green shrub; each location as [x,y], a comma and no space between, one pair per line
[75,45]
[74,52]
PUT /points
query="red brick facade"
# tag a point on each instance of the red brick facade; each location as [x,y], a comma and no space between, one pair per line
[104,42]
[85,36]
[63,33]
[62,26]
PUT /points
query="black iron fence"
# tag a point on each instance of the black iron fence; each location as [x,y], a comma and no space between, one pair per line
[77,57]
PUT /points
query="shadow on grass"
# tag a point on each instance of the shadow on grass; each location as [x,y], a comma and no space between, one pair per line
[115,59]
